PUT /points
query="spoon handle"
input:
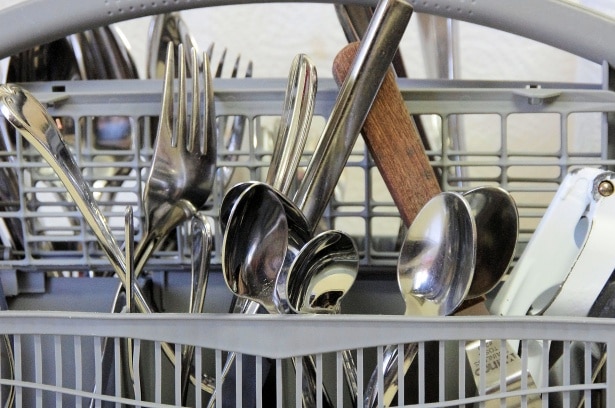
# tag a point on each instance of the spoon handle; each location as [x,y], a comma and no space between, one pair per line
[394,142]
[356,95]
[296,119]
[390,374]
[35,124]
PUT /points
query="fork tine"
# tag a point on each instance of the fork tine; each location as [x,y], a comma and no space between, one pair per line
[180,129]
[210,50]
[165,121]
[209,134]
[249,69]
[221,64]
[194,138]
[236,67]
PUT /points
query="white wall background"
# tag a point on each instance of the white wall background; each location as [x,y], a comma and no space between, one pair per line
[271,34]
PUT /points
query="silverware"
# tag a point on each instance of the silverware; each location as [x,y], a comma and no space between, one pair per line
[164,29]
[40,130]
[202,243]
[33,122]
[190,151]
[292,134]
[171,28]
[434,273]
[322,273]
[354,100]
[497,230]
[296,119]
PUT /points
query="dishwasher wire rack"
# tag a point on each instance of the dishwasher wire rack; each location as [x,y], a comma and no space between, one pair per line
[57,354]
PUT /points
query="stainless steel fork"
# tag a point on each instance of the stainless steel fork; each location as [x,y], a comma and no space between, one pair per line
[184,161]
[183,165]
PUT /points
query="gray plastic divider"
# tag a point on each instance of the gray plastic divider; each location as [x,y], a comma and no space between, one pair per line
[561,24]
[296,335]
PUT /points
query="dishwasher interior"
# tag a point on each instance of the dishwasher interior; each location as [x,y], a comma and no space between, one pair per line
[60,287]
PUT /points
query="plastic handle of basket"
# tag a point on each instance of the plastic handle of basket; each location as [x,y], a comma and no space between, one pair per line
[589,39]
[395,144]
[551,251]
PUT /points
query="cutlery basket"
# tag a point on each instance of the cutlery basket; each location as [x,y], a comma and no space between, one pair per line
[56,347]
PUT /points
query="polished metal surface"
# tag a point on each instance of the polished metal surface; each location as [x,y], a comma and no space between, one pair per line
[164,29]
[33,122]
[437,259]
[244,200]
[434,273]
[255,247]
[322,273]
[184,160]
[202,243]
[497,230]
[171,28]
[354,100]
[183,165]
[295,123]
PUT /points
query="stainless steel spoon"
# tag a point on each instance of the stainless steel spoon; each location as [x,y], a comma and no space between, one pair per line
[318,287]
[434,273]
[322,273]
[497,230]
[238,203]
[243,202]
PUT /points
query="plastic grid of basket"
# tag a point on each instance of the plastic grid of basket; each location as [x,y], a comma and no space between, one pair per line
[442,377]
[530,174]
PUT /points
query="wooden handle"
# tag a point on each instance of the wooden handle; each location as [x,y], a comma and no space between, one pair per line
[394,142]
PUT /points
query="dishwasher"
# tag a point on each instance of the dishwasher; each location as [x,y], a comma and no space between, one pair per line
[59,285]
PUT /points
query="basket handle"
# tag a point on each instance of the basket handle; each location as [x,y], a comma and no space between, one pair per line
[564,25]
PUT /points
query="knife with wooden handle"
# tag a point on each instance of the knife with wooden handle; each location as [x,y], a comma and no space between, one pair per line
[394,142]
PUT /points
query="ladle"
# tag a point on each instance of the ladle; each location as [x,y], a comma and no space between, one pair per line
[252,211]
[434,273]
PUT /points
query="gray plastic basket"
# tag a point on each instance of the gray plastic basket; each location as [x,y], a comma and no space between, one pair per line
[57,356]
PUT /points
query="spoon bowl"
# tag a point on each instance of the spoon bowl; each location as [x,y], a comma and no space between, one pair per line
[434,273]
[251,264]
[438,256]
[322,273]
[497,228]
